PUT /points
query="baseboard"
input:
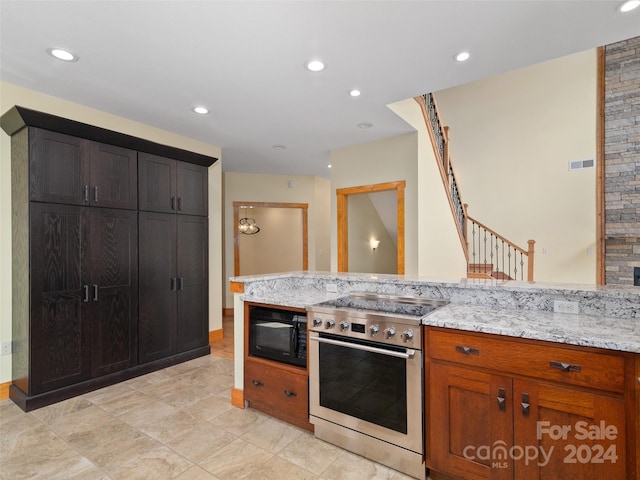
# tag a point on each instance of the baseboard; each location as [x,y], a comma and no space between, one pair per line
[237,397]
[4,390]
[215,335]
[227,312]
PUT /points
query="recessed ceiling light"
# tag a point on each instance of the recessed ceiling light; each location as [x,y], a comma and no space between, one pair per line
[315,66]
[279,147]
[201,110]
[62,54]
[462,56]
[365,125]
[629,5]
[329,166]
[355,92]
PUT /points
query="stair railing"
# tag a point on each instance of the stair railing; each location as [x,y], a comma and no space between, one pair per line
[493,256]
[488,254]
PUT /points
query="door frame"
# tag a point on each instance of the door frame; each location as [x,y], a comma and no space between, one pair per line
[342,196]
[236,233]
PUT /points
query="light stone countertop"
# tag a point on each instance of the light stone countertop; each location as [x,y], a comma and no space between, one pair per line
[583,330]
[609,315]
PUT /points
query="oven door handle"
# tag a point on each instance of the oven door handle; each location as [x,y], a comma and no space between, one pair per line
[391,353]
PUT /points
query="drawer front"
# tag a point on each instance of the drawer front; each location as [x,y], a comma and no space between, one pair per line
[283,390]
[553,363]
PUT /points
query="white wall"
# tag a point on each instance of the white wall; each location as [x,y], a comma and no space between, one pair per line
[512,137]
[247,187]
[11,95]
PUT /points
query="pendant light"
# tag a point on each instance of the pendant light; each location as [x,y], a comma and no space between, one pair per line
[247,225]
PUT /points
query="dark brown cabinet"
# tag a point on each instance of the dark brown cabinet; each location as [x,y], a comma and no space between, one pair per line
[84,296]
[100,295]
[173,284]
[171,186]
[76,171]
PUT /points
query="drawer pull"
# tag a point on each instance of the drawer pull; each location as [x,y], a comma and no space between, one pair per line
[289,393]
[501,400]
[565,367]
[525,405]
[258,383]
[467,350]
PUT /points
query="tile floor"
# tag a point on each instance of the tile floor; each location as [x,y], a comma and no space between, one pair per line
[176,423]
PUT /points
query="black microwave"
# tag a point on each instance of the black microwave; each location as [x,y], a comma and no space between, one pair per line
[278,335]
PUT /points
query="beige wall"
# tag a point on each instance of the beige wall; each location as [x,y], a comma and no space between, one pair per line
[365,224]
[11,95]
[383,161]
[277,247]
[247,187]
[512,137]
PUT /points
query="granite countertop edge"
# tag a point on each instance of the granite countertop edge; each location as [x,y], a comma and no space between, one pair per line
[616,334]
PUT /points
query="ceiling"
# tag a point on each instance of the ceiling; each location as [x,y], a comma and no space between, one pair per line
[153,61]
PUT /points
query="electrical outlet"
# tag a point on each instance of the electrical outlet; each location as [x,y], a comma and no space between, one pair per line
[6,348]
[332,288]
[565,307]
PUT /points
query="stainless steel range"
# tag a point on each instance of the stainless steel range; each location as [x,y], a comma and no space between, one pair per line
[365,376]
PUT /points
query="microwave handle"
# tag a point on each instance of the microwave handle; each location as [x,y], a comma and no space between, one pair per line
[294,337]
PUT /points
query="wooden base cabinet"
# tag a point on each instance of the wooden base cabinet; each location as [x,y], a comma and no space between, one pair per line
[493,414]
[276,388]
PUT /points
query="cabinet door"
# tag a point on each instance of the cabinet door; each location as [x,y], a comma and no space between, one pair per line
[113,289]
[192,189]
[58,167]
[193,285]
[157,183]
[470,423]
[577,435]
[59,329]
[114,177]
[158,296]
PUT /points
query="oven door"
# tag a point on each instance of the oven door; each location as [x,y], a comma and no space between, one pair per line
[369,387]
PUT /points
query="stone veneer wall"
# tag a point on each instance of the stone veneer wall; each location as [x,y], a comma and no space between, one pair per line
[622,161]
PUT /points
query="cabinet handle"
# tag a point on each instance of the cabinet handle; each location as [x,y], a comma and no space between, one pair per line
[173,203]
[85,195]
[85,296]
[502,401]
[179,204]
[180,283]
[173,283]
[258,383]
[524,405]
[289,393]
[565,367]
[467,350]
[95,292]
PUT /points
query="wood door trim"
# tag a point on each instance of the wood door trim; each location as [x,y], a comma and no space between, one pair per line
[236,234]
[342,195]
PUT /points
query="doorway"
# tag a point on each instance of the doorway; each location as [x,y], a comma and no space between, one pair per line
[343,195]
[281,241]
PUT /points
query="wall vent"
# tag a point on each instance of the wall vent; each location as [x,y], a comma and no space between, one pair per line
[579,164]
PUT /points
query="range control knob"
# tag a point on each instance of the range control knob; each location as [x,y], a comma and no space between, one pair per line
[389,332]
[317,322]
[374,329]
[344,325]
[408,335]
[330,323]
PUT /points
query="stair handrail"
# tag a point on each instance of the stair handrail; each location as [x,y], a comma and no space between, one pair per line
[439,135]
[529,252]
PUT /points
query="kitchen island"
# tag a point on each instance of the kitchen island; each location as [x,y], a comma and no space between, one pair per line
[510,321]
